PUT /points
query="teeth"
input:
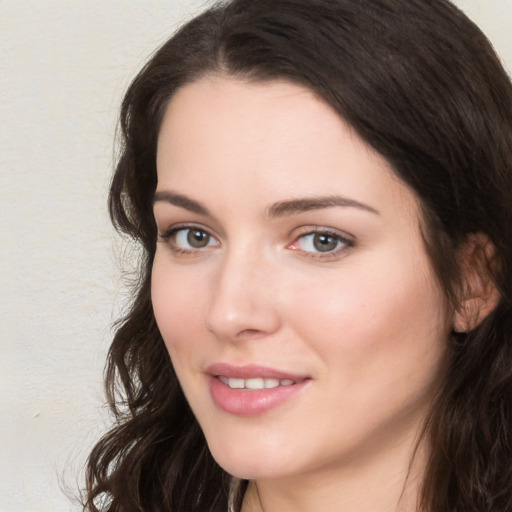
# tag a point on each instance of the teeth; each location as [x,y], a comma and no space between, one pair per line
[255,384]
[271,383]
[236,383]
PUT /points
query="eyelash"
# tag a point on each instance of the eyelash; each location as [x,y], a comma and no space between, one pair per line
[343,241]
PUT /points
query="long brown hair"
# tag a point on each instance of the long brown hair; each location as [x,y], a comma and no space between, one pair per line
[422,85]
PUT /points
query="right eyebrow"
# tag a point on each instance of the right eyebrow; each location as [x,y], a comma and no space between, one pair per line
[181,201]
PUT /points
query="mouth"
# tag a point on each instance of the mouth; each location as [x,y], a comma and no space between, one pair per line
[252,390]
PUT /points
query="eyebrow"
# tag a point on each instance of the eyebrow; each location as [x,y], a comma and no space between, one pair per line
[279,209]
[181,201]
[290,207]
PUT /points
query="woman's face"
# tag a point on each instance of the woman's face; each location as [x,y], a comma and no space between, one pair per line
[291,283]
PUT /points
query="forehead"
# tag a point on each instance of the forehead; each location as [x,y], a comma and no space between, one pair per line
[274,136]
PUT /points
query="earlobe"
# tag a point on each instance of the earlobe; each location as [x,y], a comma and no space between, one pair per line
[478,292]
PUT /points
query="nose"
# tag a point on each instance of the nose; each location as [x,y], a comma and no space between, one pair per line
[243,303]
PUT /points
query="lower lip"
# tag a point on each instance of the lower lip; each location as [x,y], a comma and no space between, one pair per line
[244,402]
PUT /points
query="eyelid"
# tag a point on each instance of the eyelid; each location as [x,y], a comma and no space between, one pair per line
[184,225]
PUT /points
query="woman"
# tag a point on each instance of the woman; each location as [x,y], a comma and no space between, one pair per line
[323,195]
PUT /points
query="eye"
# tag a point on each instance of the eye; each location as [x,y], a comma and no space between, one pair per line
[321,242]
[192,238]
[186,239]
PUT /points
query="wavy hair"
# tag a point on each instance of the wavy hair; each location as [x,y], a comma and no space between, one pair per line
[422,85]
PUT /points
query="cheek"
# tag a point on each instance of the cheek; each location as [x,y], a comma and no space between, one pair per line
[178,302]
[381,323]
[382,350]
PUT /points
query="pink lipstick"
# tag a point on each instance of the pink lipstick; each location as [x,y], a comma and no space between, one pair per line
[251,390]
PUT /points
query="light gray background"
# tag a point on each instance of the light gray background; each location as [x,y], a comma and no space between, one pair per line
[63,68]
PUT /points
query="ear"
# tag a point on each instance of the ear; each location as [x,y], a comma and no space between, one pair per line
[478,294]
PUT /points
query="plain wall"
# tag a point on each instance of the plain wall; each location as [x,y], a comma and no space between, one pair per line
[63,68]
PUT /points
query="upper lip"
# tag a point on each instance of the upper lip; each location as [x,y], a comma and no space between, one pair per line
[250,371]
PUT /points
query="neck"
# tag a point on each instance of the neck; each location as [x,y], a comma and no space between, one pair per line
[388,483]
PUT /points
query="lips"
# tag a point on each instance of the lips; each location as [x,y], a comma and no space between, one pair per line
[250,372]
[251,390]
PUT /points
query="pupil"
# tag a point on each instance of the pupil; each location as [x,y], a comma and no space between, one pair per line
[324,243]
[197,238]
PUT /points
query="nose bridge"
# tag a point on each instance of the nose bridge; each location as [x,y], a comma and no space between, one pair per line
[242,301]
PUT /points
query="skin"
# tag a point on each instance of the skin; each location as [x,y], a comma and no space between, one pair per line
[366,322]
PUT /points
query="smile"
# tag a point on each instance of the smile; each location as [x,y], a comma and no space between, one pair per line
[252,390]
[255,383]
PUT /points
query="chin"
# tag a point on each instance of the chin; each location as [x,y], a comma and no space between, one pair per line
[258,463]
[251,470]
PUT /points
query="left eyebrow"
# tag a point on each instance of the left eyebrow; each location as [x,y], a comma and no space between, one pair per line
[294,206]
